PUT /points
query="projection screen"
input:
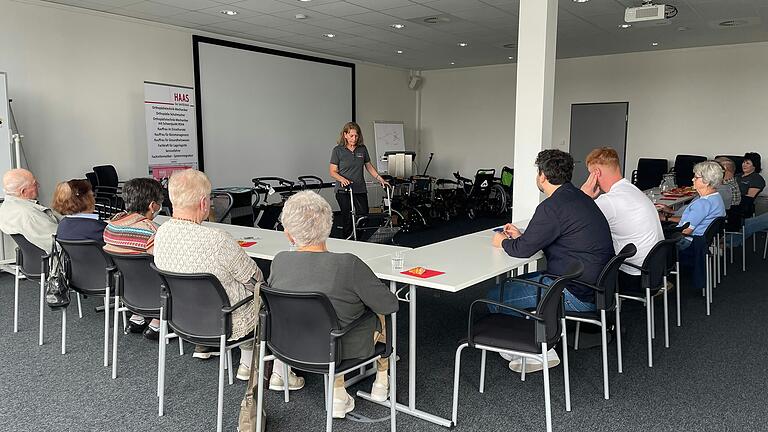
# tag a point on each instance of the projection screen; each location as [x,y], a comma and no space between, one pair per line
[262,112]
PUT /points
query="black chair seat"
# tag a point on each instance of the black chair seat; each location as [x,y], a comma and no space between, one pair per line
[209,342]
[506,332]
[593,315]
[378,349]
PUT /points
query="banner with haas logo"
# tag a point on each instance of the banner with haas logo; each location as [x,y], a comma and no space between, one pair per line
[171,126]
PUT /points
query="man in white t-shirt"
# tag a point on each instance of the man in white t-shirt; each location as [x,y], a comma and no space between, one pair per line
[631,216]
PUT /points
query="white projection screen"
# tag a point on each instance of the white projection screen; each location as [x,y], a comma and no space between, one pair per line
[263,112]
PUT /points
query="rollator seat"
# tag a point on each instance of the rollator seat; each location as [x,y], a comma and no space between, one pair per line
[506,332]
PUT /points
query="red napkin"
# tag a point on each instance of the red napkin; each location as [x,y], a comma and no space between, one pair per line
[427,273]
[246,244]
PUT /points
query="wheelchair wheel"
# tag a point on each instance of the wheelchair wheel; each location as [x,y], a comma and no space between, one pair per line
[497,200]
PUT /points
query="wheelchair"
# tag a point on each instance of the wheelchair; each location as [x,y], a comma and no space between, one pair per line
[265,213]
[483,196]
[409,204]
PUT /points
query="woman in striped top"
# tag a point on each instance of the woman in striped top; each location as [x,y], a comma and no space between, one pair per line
[133,232]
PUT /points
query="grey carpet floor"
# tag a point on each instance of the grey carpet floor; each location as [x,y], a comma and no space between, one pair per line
[712,378]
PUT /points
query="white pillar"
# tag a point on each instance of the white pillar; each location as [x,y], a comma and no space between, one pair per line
[534,98]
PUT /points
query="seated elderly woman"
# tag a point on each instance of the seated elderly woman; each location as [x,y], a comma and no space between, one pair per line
[75,200]
[707,176]
[133,232]
[349,284]
[184,245]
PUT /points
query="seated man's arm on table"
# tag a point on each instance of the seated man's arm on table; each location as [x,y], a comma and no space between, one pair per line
[543,229]
[374,294]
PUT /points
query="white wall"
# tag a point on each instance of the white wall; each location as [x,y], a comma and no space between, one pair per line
[76,78]
[699,101]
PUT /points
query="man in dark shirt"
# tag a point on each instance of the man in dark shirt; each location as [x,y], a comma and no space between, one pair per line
[568,226]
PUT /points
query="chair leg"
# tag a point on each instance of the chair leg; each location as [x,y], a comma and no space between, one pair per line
[653,318]
[743,250]
[80,307]
[106,328]
[576,337]
[63,331]
[708,283]
[161,367]
[566,367]
[547,403]
[16,302]
[456,368]
[603,331]
[666,315]
[329,411]
[260,387]
[649,323]
[229,366]
[730,245]
[42,302]
[181,353]
[393,380]
[286,378]
[114,337]
[220,404]
[523,365]
[765,247]
[482,371]
[678,288]
[618,334]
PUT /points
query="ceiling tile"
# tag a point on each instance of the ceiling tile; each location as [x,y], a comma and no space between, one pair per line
[373,18]
[408,12]
[339,9]
[200,18]
[381,4]
[154,9]
[268,21]
[451,6]
[265,6]
[241,12]
[108,3]
[190,4]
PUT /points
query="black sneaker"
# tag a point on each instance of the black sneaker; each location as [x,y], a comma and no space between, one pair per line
[134,327]
[151,333]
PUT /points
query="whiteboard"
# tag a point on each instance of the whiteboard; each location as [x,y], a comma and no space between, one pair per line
[5,129]
[388,136]
[268,113]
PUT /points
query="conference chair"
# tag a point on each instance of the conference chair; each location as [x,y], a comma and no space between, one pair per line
[711,255]
[108,187]
[197,309]
[31,263]
[221,206]
[673,261]
[89,270]
[649,173]
[684,168]
[137,290]
[653,275]
[605,289]
[529,335]
[299,327]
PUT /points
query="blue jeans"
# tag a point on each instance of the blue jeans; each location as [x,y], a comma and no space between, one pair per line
[521,295]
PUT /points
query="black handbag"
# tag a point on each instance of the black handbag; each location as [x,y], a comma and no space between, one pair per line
[56,287]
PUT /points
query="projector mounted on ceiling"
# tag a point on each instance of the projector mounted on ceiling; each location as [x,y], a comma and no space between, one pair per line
[649,12]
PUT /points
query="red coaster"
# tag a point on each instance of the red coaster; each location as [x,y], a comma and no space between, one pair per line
[427,273]
[246,244]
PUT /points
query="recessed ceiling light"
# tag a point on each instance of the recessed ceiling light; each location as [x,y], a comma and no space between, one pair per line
[304,1]
[329,35]
[398,26]
[462,44]
[654,44]
[580,1]
[228,12]
[399,51]
[510,58]
[625,26]
[300,16]
[453,63]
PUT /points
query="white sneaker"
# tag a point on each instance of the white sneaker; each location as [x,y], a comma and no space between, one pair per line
[509,357]
[532,365]
[342,403]
[380,389]
[243,372]
[294,382]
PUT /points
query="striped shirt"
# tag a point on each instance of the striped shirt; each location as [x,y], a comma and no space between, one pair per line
[130,233]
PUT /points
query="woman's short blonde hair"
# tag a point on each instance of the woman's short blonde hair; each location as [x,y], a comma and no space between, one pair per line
[711,173]
[307,217]
[187,187]
[73,197]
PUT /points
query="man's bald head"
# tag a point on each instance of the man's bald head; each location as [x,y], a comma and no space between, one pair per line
[20,183]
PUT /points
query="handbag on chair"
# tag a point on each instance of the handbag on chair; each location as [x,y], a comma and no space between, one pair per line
[56,287]
[247,419]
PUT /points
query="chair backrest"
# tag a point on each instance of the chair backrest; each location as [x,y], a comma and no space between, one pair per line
[483,181]
[299,325]
[649,172]
[684,168]
[550,306]
[139,286]
[656,265]
[106,175]
[193,304]
[714,228]
[609,278]
[88,263]
[221,205]
[734,219]
[30,259]
[507,177]
[91,176]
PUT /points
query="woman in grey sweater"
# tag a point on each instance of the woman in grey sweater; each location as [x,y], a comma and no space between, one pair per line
[347,281]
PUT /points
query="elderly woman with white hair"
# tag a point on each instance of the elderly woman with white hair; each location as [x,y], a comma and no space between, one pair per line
[347,281]
[184,245]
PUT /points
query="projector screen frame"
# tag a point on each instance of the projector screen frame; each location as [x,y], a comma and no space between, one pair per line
[197,40]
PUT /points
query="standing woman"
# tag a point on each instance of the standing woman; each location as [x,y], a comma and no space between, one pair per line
[348,158]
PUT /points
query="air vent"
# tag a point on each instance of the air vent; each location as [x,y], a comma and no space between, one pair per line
[434,19]
[510,46]
[733,23]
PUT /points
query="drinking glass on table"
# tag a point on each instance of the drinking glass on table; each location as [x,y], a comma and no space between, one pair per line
[398,260]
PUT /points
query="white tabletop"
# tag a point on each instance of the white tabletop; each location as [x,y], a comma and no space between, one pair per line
[521,225]
[269,242]
[466,261]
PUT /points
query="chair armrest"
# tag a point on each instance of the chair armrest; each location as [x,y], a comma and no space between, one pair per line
[538,285]
[587,285]
[335,334]
[635,266]
[503,306]
[229,310]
